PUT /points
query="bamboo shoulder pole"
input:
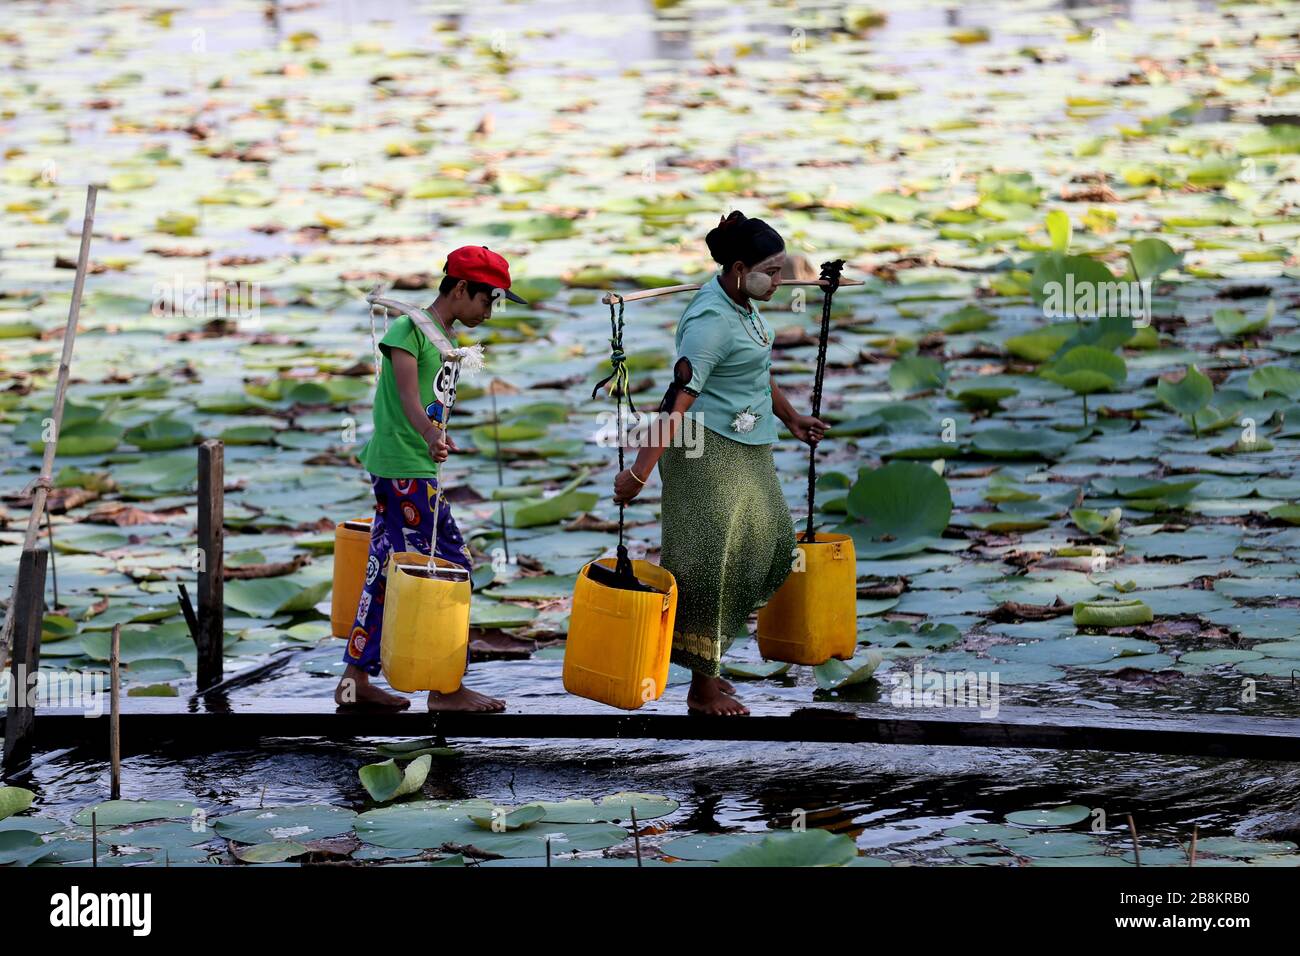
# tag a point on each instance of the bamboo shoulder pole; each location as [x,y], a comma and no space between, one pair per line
[41,492]
[609,297]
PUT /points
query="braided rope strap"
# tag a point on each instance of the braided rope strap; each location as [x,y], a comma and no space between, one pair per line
[617,383]
[831,276]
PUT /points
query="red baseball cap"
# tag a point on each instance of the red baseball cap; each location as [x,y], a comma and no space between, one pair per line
[481,264]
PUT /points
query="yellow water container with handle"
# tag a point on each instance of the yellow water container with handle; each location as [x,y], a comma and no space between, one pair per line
[620,639]
[426,623]
[814,615]
[351,551]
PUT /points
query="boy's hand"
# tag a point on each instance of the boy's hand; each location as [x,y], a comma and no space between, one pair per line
[440,444]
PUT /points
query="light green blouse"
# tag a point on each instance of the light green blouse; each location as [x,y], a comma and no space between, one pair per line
[730,352]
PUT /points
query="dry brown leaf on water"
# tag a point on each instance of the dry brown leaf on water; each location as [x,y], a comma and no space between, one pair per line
[126,515]
[793,337]
[470,850]
[57,500]
[493,642]
[332,458]
[94,268]
[1099,193]
[271,569]
[462,494]
[172,252]
[589,522]
[883,590]
[331,848]
[1012,611]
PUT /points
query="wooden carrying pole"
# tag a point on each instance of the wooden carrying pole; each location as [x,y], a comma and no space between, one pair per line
[42,484]
[670,289]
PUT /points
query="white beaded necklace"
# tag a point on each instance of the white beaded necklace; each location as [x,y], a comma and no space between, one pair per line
[751,321]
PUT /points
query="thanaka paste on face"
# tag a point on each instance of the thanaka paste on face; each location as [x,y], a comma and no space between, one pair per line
[757,282]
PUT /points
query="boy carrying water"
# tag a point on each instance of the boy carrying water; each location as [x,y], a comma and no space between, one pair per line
[416,386]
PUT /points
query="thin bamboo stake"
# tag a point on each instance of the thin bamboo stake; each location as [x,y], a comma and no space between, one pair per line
[671,289]
[115,712]
[54,571]
[1133,832]
[501,481]
[42,484]
[1191,854]
[636,837]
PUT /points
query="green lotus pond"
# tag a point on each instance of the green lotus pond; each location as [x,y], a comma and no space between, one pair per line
[1099,508]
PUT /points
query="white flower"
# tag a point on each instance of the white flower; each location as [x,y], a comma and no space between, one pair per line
[744,421]
[470,358]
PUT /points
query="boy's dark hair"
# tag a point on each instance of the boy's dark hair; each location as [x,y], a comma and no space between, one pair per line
[473,288]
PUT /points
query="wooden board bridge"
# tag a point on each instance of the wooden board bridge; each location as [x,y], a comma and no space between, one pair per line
[214,721]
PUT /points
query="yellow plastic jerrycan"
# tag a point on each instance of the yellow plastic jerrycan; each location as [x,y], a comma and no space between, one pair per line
[814,615]
[351,551]
[619,641]
[426,624]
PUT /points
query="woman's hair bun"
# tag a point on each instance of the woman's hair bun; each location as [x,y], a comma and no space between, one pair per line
[736,237]
[719,240]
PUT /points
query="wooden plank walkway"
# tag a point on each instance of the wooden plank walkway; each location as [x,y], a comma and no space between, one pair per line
[218,723]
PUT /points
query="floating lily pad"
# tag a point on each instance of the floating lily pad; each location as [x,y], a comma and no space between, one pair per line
[14,800]
[385,781]
[276,852]
[614,808]
[501,820]
[807,848]
[122,812]
[1063,816]
[1111,613]
[271,824]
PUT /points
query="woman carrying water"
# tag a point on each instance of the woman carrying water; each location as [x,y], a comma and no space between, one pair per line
[727,534]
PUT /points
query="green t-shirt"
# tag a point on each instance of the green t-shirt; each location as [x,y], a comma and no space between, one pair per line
[731,368]
[396,450]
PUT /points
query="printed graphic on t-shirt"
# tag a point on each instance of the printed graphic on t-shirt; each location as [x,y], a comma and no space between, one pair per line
[444,391]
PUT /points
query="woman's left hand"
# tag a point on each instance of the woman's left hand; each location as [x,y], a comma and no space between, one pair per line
[808,428]
[626,486]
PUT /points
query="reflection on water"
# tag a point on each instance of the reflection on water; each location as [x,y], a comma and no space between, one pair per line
[893,800]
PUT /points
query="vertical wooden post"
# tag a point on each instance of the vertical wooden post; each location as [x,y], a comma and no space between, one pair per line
[29,614]
[211,633]
[114,727]
[41,487]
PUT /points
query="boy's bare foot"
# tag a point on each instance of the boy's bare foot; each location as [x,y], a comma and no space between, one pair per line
[706,696]
[355,689]
[464,699]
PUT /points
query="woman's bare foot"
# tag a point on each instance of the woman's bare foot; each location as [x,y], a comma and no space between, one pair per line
[464,699]
[706,696]
[355,689]
[726,686]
